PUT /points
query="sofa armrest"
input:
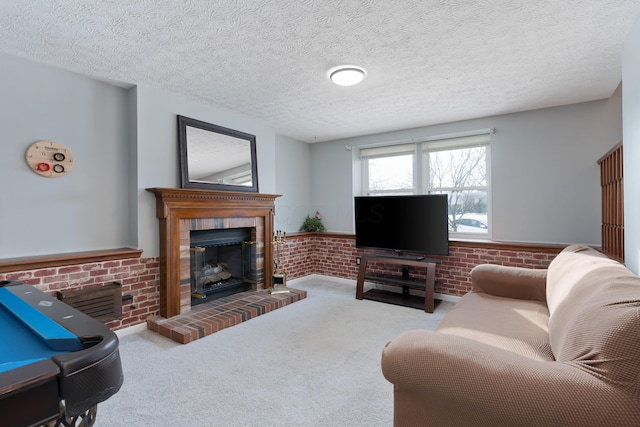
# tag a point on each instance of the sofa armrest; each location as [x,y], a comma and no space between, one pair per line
[452,380]
[510,282]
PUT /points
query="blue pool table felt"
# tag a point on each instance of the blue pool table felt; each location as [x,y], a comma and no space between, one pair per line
[29,336]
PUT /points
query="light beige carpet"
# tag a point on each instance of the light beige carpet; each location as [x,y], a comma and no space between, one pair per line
[313,363]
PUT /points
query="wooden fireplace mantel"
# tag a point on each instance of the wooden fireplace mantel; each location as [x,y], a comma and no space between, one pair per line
[176,204]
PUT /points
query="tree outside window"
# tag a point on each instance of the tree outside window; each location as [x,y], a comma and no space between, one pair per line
[461,173]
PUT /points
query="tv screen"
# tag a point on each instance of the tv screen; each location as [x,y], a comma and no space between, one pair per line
[416,223]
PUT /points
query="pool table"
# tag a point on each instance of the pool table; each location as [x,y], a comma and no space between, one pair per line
[56,363]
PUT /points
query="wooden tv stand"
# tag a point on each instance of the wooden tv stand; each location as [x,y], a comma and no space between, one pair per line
[403,281]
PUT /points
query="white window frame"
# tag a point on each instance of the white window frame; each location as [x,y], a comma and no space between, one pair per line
[421,175]
[388,151]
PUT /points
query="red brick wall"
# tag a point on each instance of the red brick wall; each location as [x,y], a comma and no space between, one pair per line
[297,256]
[330,254]
[454,270]
[335,255]
[138,276]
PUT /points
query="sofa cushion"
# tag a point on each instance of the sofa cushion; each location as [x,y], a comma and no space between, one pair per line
[594,305]
[516,325]
[510,282]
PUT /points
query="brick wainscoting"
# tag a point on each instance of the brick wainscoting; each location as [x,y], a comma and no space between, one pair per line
[334,254]
[329,254]
[138,276]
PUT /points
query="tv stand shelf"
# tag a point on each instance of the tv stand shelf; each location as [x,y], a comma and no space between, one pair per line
[397,280]
[403,281]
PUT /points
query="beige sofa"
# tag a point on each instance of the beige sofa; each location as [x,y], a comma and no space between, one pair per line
[554,347]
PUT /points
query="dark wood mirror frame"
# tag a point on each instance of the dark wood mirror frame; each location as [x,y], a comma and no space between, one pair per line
[220,138]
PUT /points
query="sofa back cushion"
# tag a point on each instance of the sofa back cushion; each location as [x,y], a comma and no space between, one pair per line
[594,306]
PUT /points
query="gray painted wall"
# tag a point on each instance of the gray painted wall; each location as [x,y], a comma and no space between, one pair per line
[123,142]
[544,172]
[293,181]
[87,209]
[631,151]
[132,148]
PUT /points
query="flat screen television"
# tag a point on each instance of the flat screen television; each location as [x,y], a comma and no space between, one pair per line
[417,223]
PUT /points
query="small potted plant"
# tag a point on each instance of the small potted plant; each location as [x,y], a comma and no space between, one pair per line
[313,224]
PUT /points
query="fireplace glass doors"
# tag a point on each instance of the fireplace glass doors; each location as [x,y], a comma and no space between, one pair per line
[222,263]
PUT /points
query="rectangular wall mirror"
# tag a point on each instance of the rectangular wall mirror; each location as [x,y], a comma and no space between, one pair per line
[216,158]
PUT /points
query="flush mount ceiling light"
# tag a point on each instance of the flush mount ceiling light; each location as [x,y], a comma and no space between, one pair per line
[347,75]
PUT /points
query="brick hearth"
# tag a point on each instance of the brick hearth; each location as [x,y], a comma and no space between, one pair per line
[211,317]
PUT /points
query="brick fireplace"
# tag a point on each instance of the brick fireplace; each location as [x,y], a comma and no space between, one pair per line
[180,211]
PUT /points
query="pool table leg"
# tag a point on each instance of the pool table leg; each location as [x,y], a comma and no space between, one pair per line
[86,419]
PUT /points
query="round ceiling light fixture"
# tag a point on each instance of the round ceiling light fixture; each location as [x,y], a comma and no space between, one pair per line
[347,75]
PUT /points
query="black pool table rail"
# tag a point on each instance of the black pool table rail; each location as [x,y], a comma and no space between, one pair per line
[81,379]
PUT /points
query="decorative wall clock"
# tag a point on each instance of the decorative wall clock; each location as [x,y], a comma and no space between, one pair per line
[49,159]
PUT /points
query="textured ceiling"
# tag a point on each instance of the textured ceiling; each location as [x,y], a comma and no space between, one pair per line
[428,61]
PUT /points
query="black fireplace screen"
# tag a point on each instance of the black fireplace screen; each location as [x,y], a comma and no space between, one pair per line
[222,263]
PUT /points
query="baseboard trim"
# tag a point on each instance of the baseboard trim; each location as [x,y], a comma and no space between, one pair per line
[311,277]
[131,329]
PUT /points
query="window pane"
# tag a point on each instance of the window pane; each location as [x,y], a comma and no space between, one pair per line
[466,167]
[390,173]
[467,211]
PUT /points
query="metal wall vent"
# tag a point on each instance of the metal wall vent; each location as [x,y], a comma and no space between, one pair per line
[102,303]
